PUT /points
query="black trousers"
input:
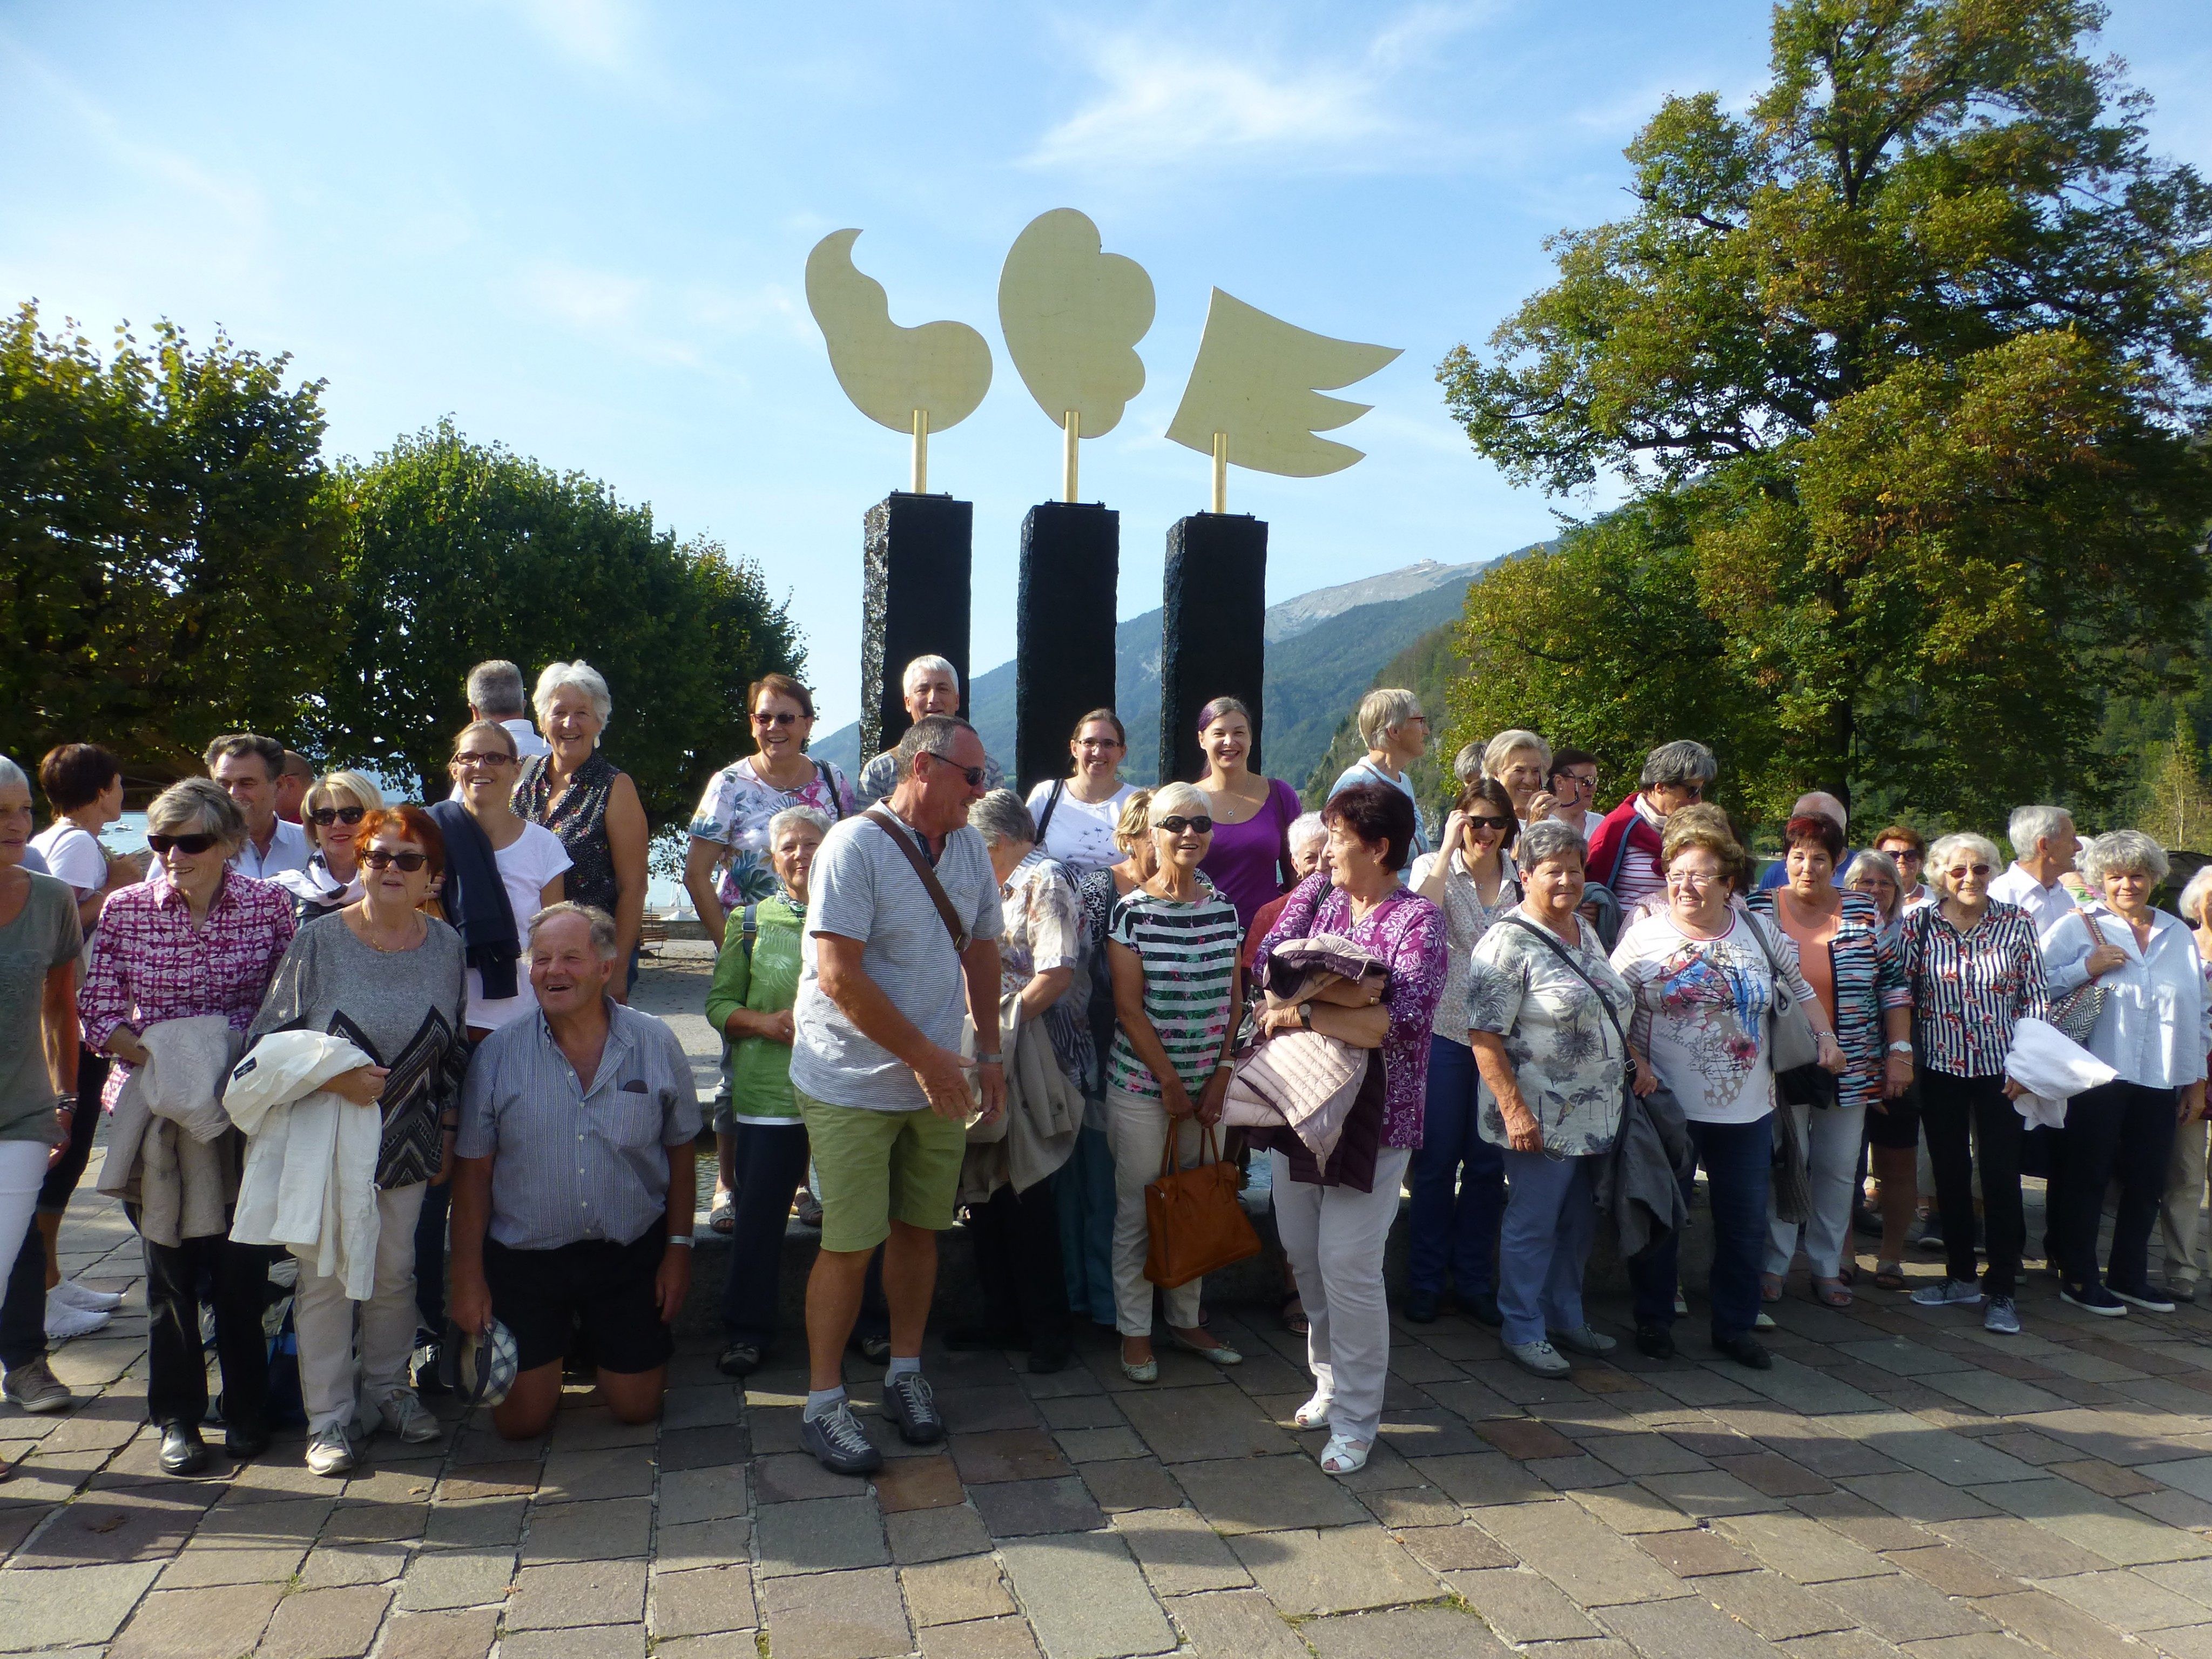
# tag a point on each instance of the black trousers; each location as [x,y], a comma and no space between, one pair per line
[1018,1259]
[176,1365]
[2123,1128]
[769,1163]
[1948,1105]
[430,1258]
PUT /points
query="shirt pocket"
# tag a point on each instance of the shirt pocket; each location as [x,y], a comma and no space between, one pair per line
[627,1119]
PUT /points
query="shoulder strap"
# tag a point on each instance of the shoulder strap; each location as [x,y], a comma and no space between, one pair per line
[1051,803]
[890,826]
[829,788]
[1574,967]
[750,928]
[1783,998]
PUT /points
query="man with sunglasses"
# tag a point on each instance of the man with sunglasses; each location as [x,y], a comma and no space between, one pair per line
[1624,854]
[931,685]
[248,765]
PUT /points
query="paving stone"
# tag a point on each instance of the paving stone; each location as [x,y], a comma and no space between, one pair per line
[715,1404]
[577,1593]
[1007,1455]
[1803,1389]
[1179,1551]
[1132,1484]
[1338,1570]
[197,1567]
[975,1411]
[701,1602]
[789,1477]
[691,1495]
[613,1527]
[723,1644]
[456,1578]
[1400,1507]
[2190,1578]
[1520,1606]
[701,1544]
[326,1624]
[103,1527]
[1902,1608]
[1482,1478]
[190,1624]
[588,1642]
[935,1534]
[1707,1493]
[1949,1457]
[1023,1508]
[1630,1510]
[1918,1497]
[1428,1433]
[375,1523]
[1235,1624]
[484,1522]
[1775,1475]
[916,1483]
[87,1605]
[330,1566]
[2021,1546]
[1525,1438]
[820,1535]
[1262,1494]
[1439,1633]
[983,1638]
[2122,1600]
[2107,1478]
[1690,1628]
[1085,1597]
[2080,1517]
[1994,1394]
[1592,1563]
[1955,1570]
[1081,1411]
[1184,1425]
[1847,1644]
[1098,1446]
[1803,1549]
[1644,1453]
[954,1592]
[440,1635]
[1771,1604]
[576,1476]
[1694,1552]
[505,1479]
[703,1448]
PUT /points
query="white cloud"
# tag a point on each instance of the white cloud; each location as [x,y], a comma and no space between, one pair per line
[594,33]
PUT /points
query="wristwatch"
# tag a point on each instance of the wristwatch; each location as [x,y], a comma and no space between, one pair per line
[1900,1047]
[684,1239]
[1305,1015]
[990,1060]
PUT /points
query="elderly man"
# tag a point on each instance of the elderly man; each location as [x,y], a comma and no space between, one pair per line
[1624,854]
[247,766]
[1814,803]
[493,688]
[2043,848]
[930,685]
[903,929]
[293,783]
[572,1185]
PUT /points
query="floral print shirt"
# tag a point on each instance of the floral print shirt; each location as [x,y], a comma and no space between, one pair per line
[1044,919]
[1563,1043]
[735,810]
[1467,918]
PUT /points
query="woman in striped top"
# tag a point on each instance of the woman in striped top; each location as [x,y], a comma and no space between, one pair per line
[1975,971]
[1173,947]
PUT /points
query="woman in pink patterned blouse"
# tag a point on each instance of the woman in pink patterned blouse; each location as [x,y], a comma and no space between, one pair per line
[194,937]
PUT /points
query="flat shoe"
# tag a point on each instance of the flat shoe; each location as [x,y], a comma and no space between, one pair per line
[1344,1456]
[1311,1415]
[1220,1354]
[1832,1293]
[1587,1340]
[1889,1275]
[183,1451]
[1142,1371]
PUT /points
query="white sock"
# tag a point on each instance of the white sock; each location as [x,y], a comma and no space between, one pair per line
[899,1368]
[820,1402]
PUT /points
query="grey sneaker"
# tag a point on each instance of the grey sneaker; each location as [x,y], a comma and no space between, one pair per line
[33,1386]
[1589,1339]
[1949,1293]
[329,1453]
[2003,1317]
[838,1441]
[1538,1359]
[910,1403]
[408,1417]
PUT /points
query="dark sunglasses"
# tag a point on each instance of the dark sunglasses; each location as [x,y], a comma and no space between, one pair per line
[378,857]
[782,717]
[1958,870]
[1175,826]
[192,844]
[324,816]
[1501,825]
[973,774]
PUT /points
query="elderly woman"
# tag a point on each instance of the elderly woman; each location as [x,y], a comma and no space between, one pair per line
[1703,973]
[2154,1030]
[1974,971]
[1077,815]
[1396,733]
[1333,1223]
[1519,761]
[1892,1124]
[1547,1017]
[760,1129]
[39,938]
[194,937]
[1624,854]
[391,979]
[331,811]
[1844,954]
[1458,1178]
[500,870]
[729,828]
[1249,860]
[575,792]
[1172,945]
[2181,1209]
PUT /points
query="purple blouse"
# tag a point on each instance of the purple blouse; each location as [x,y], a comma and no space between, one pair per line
[1407,931]
[1249,862]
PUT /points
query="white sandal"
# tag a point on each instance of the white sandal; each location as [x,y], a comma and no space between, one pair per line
[1344,1456]
[1313,1414]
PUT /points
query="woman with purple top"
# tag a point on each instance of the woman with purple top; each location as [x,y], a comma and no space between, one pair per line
[1249,861]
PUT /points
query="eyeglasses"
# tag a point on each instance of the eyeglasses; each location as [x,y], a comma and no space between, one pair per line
[1496,826]
[780,717]
[1175,826]
[1690,878]
[483,757]
[1100,743]
[324,816]
[1958,870]
[379,858]
[193,845]
[973,774]
[1564,781]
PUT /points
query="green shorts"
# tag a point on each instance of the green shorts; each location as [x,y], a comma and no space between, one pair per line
[876,1166]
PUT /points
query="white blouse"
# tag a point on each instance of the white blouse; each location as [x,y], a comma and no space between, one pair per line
[2156,1025]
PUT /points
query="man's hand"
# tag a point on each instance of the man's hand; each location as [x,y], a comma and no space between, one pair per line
[944,1078]
[991,1083]
[471,1307]
[671,1283]
[361,1085]
[2106,956]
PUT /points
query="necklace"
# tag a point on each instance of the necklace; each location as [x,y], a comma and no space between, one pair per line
[416,931]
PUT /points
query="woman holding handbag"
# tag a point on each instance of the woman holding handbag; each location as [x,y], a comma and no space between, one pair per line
[1333,1227]
[1172,945]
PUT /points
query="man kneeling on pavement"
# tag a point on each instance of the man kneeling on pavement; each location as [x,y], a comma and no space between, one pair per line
[574,1190]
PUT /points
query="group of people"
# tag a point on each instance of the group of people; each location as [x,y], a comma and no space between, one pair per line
[938,996]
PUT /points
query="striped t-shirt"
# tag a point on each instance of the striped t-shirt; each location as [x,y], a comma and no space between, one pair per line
[1190,953]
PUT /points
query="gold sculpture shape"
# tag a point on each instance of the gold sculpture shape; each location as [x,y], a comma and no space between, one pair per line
[918,379]
[1254,395]
[1072,315]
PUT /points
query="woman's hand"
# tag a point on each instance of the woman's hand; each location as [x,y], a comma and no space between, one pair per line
[1647,1080]
[1214,1096]
[1454,828]
[125,1046]
[66,1121]
[2191,1105]
[1832,1053]
[2013,1091]
[361,1085]
[2106,956]
[1175,1099]
[1897,1076]
[1540,806]
[1522,1132]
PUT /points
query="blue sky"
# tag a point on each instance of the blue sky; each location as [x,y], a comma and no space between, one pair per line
[579,227]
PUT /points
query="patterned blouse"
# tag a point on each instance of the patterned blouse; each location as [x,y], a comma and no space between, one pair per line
[1467,918]
[1188,950]
[1044,930]
[580,818]
[1565,1048]
[1970,989]
[735,810]
[1408,932]
[1868,978]
[149,964]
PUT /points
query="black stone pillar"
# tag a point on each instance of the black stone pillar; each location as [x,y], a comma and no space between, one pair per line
[1213,640]
[1063,630]
[914,604]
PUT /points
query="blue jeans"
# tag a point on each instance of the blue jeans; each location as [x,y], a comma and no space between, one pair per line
[1544,1244]
[1738,1160]
[1084,1189]
[1453,1221]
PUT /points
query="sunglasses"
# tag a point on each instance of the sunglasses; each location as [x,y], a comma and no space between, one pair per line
[782,717]
[324,816]
[1958,870]
[1497,825]
[189,844]
[1175,826]
[380,857]
[973,774]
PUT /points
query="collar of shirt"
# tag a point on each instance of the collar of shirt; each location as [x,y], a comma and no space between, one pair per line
[611,1054]
[168,895]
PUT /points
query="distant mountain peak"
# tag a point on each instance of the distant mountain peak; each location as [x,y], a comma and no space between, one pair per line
[1294,616]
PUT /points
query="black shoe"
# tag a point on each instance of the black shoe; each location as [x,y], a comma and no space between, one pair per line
[1046,1358]
[1655,1341]
[427,1380]
[876,1350]
[1745,1350]
[1421,1306]
[183,1451]
[910,1403]
[838,1441]
[1930,1237]
[1482,1307]
[982,1338]
[739,1360]
[241,1445]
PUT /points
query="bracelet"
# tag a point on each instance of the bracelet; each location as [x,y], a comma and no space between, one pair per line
[684,1239]
[990,1060]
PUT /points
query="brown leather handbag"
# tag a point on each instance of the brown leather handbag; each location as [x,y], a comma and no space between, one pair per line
[1193,1222]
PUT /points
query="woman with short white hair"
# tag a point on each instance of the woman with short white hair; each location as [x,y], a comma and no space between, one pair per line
[1518,759]
[2181,1210]
[1396,733]
[2154,1030]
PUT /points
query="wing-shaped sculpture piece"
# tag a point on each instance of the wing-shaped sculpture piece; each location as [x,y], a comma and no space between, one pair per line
[1255,391]
[939,371]
[1073,315]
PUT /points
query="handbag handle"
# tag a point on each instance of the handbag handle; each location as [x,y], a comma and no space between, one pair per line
[1783,1001]
[1209,1149]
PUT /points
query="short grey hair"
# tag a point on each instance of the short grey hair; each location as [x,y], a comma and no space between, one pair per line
[11,775]
[1466,765]
[1683,761]
[791,815]
[1941,855]
[1548,838]
[1501,749]
[196,807]
[1174,799]
[927,736]
[2030,824]
[1002,820]
[578,676]
[601,924]
[927,664]
[2191,904]
[1380,710]
[1814,803]
[1871,863]
[1305,829]
[2119,850]
[494,687]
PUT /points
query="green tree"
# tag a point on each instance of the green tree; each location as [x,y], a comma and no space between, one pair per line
[1917,352]
[2178,812]
[455,551]
[168,565]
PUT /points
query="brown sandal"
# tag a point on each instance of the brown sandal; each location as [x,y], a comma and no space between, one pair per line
[1889,1275]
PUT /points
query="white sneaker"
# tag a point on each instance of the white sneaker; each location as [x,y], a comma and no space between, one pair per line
[407,1416]
[72,1294]
[329,1453]
[64,1321]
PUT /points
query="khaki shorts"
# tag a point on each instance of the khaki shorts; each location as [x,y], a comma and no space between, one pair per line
[877,1166]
